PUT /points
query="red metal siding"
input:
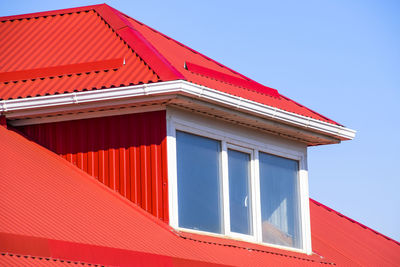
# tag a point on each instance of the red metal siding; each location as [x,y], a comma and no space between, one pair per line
[127,153]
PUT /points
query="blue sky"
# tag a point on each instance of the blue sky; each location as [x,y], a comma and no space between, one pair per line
[340,58]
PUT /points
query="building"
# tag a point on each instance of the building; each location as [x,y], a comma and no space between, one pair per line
[125,147]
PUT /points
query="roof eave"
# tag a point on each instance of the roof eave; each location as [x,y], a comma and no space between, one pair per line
[191,96]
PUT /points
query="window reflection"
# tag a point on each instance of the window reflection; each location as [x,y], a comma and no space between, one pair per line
[279,204]
[198,166]
[239,187]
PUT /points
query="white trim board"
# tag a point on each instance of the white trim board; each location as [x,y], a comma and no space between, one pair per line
[35,106]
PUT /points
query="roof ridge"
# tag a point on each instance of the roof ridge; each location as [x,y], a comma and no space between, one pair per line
[194,51]
[353,221]
[135,40]
[229,69]
[101,10]
[50,13]
[147,45]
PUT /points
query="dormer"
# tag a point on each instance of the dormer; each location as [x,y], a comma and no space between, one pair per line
[192,142]
[238,182]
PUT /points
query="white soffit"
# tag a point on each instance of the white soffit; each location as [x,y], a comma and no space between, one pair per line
[43,105]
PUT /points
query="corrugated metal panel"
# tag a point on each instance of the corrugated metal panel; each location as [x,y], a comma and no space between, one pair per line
[178,54]
[65,39]
[127,153]
[138,43]
[348,242]
[213,74]
[9,260]
[76,36]
[66,214]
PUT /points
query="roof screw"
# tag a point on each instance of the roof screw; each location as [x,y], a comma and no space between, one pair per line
[74,98]
[3,106]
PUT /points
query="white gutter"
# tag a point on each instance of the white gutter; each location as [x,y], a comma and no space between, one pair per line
[14,108]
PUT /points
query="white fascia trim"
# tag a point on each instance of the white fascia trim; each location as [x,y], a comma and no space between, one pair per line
[240,103]
[88,96]
[174,87]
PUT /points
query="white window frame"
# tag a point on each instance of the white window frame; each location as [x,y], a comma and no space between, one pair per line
[237,142]
[226,201]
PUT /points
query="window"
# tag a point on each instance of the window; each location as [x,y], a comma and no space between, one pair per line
[239,192]
[198,161]
[226,185]
[279,200]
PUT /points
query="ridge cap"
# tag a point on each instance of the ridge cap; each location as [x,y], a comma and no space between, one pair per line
[193,51]
[51,12]
[138,43]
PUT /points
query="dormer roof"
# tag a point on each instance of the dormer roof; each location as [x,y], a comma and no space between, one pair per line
[97,47]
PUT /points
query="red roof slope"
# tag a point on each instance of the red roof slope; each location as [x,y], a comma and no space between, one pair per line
[64,53]
[98,47]
[53,210]
[10,259]
[58,211]
[349,242]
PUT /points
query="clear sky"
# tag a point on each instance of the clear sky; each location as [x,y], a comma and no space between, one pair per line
[340,58]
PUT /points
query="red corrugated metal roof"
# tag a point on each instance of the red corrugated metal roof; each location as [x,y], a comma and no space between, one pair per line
[349,242]
[10,259]
[52,209]
[178,54]
[97,33]
[33,46]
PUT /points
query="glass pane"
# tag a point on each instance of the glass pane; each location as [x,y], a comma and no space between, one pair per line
[239,198]
[198,163]
[279,201]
